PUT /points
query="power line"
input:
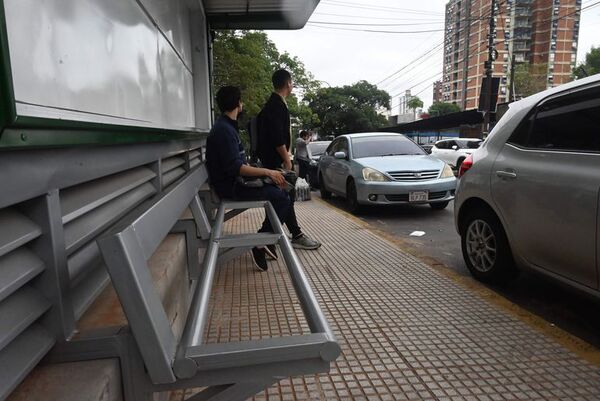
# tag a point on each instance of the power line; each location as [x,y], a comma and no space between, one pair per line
[318,13]
[362,24]
[373,30]
[376,8]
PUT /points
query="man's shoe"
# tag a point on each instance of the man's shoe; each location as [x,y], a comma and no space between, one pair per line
[271,251]
[304,242]
[260,261]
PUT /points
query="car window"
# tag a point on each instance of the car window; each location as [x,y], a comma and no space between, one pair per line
[389,145]
[331,149]
[317,148]
[343,146]
[568,123]
[468,144]
[441,145]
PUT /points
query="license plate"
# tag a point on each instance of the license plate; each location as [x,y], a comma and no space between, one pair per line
[418,196]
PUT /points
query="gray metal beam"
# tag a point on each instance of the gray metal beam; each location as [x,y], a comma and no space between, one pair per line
[248,240]
[257,352]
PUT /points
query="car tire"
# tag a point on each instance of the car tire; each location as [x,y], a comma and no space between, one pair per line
[485,248]
[439,205]
[325,194]
[352,198]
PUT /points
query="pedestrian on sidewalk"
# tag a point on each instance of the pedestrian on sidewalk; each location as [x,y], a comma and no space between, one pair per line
[227,168]
[303,155]
[274,140]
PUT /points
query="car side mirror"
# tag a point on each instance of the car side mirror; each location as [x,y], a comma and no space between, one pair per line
[339,155]
[454,147]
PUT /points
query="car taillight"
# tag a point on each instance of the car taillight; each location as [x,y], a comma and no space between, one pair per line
[465,165]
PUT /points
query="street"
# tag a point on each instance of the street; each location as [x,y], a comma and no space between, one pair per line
[440,245]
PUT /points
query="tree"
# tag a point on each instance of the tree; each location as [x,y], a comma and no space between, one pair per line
[248,59]
[351,108]
[591,65]
[414,103]
[441,108]
[530,79]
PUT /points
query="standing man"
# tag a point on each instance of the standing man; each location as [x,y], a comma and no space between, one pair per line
[303,155]
[274,140]
[226,164]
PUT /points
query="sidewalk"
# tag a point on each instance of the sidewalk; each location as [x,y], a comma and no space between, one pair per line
[407,331]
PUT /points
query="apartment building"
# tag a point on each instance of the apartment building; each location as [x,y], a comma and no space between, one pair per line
[536,31]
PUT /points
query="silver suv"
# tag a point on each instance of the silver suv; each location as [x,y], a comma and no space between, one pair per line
[529,197]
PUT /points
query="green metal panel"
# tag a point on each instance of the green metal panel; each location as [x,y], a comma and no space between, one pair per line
[7,96]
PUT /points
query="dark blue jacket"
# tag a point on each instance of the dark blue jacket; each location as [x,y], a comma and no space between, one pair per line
[224,156]
[273,131]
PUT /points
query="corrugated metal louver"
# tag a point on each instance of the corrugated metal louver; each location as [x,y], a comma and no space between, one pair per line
[22,342]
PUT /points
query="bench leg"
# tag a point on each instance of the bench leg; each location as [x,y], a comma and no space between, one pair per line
[231,392]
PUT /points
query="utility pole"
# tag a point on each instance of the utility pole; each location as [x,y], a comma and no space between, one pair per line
[511,88]
[489,67]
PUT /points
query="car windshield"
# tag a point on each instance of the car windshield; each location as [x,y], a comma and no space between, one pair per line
[373,146]
[317,149]
[469,144]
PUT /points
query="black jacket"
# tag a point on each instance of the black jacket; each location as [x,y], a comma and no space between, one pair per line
[273,131]
[224,156]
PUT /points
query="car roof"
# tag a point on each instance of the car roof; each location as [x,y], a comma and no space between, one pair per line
[368,134]
[574,85]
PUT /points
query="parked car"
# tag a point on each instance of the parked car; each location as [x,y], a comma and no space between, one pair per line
[427,148]
[383,169]
[529,197]
[317,149]
[455,151]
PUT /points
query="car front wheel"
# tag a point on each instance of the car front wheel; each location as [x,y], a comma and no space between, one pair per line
[352,198]
[485,248]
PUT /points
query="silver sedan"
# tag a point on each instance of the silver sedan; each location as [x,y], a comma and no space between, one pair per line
[384,168]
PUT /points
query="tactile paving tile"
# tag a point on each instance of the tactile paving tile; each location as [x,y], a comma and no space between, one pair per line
[407,332]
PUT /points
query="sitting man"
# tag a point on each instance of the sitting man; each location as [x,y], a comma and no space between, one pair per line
[226,163]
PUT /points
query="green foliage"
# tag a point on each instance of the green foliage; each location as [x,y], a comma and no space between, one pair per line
[591,65]
[415,103]
[248,59]
[442,108]
[530,79]
[351,108]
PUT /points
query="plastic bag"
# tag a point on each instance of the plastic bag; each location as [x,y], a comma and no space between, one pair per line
[302,190]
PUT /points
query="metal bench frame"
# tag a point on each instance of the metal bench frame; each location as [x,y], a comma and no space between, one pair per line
[229,371]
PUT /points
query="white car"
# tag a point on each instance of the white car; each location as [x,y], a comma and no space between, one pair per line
[455,151]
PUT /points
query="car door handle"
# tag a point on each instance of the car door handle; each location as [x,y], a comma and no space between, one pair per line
[506,174]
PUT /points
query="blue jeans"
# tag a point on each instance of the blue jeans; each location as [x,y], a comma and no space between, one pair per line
[278,197]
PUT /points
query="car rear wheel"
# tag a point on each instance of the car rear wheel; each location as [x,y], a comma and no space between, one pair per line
[485,248]
[439,205]
[325,194]
[352,198]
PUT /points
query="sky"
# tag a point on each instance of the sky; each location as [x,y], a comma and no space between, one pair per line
[339,45]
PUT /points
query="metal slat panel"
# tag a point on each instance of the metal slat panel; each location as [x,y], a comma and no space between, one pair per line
[21,356]
[194,163]
[86,292]
[83,229]
[16,230]
[194,154]
[18,312]
[76,201]
[169,164]
[172,176]
[16,269]
[82,261]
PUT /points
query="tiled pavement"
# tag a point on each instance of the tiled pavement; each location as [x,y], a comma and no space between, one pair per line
[407,332]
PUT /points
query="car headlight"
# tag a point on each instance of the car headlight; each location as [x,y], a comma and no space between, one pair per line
[447,172]
[370,174]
